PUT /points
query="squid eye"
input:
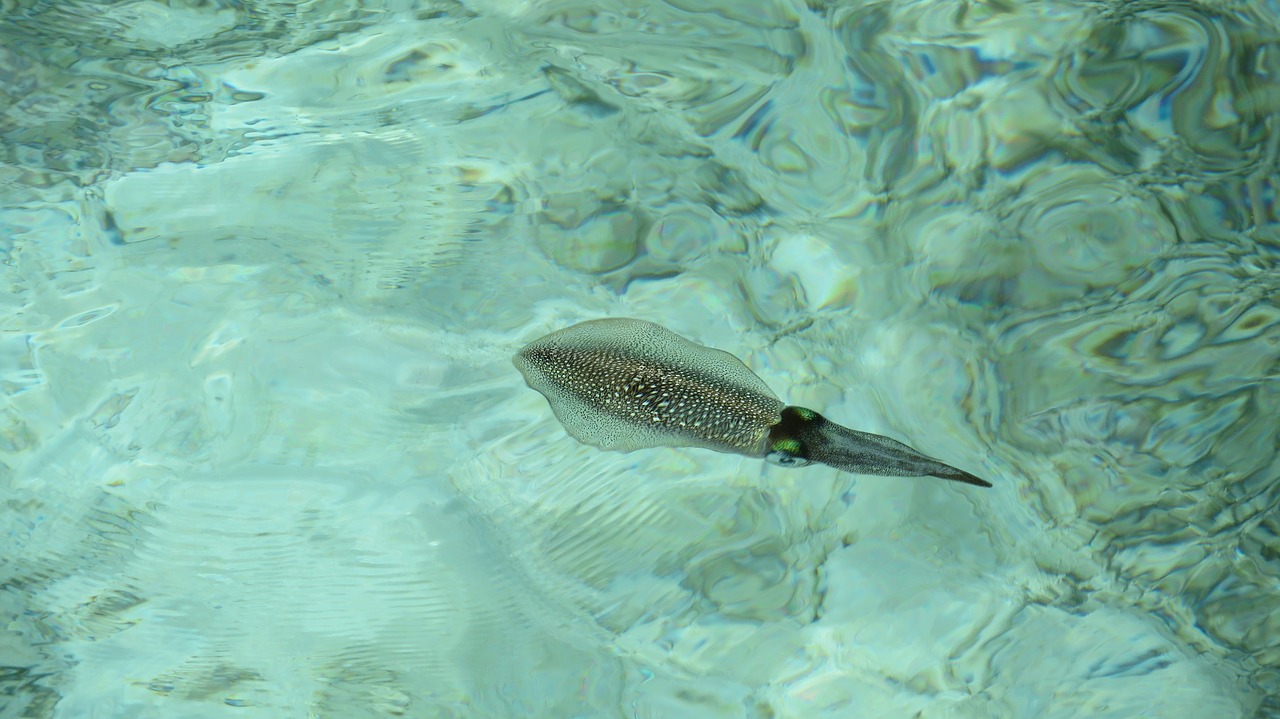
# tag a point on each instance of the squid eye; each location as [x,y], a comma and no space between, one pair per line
[787,452]
[783,458]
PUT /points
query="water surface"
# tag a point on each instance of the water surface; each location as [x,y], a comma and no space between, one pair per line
[263,452]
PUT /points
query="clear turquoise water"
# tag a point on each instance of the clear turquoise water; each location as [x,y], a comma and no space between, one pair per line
[263,452]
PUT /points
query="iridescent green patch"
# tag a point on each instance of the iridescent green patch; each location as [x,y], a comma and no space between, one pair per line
[807,415]
[788,446]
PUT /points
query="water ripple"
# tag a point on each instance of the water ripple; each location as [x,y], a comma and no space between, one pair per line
[264,264]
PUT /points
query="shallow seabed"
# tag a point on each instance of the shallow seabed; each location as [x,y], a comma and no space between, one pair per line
[264,453]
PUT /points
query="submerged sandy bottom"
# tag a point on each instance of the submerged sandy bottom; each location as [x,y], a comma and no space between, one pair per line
[265,454]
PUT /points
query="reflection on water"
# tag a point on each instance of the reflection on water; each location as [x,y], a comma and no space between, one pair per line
[263,452]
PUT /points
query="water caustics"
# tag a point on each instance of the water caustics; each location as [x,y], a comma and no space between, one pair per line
[629,384]
[266,264]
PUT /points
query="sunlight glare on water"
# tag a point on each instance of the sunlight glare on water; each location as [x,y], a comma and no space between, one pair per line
[263,452]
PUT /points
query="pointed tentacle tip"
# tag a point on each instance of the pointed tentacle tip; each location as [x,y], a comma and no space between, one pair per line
[962,476]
